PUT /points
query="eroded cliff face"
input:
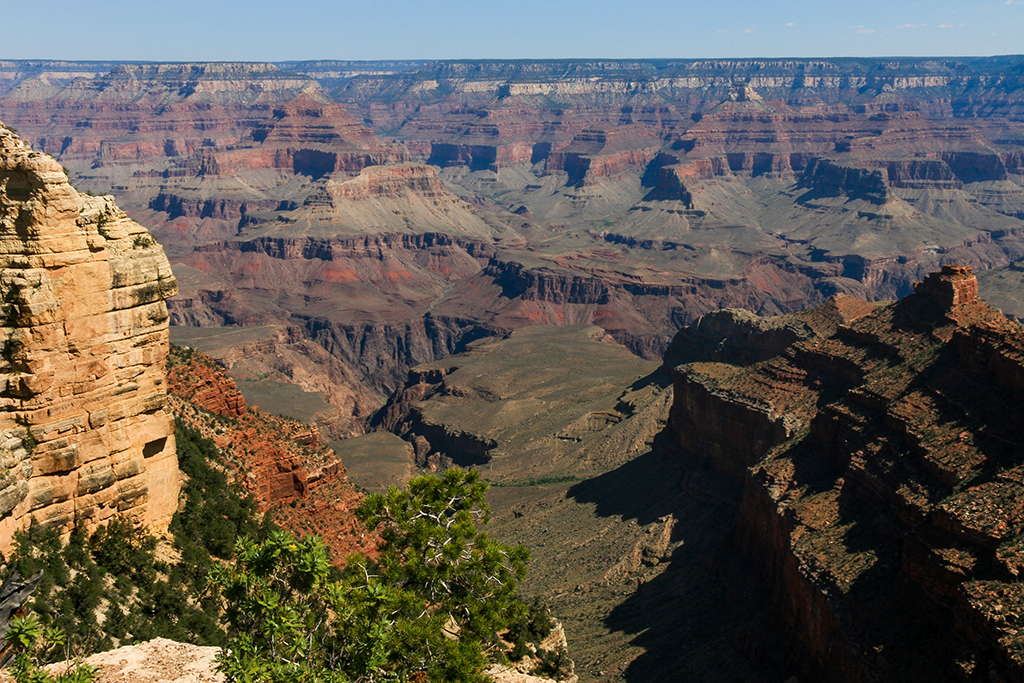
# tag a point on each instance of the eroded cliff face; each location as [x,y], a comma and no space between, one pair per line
[382,303]
[85,431]
[882,501]
[282,462]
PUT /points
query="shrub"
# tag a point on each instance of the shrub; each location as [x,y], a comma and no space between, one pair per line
[430,609]
[33,644]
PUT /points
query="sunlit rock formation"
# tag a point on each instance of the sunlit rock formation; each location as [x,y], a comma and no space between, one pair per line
[84,431]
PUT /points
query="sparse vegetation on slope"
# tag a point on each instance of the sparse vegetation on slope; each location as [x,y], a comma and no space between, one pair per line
[431,609]
[112,587]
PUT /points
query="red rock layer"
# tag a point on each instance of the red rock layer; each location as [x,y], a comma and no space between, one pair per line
[205,386]
[280,461]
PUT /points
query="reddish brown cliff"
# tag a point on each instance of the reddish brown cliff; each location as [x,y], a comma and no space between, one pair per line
[204,385]
[280,461]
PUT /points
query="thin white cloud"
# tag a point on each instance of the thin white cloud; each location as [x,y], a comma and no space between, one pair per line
[748,30]
[945,25]
[789,24]
[859,28]
[722,30]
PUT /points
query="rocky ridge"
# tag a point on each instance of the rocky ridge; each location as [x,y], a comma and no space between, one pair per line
[86,429]
[204,385]
[739,337]
[879,489]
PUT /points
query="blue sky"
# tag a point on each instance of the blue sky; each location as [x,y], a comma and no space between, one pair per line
[260,30]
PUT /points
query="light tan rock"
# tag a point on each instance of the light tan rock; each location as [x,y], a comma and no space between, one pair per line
[524,670]
[85,433]
[166,661]
[155,661]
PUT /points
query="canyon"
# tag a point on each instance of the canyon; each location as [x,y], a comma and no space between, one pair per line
[393,212]
[830,494]
[488,263]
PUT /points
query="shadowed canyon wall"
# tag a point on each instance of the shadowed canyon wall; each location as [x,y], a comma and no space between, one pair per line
[881,502]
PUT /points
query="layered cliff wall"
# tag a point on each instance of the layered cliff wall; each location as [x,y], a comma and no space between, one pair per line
[85,430]
[655,81]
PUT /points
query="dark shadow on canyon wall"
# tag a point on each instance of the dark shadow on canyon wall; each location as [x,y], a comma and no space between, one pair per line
[643,489]
[701,618]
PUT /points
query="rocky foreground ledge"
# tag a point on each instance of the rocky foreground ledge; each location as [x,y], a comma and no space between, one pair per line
[165,661]
[155,661]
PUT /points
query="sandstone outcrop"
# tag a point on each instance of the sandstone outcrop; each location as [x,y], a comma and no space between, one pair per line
[604,153]
[881,500]
[86,431]
[155,661]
